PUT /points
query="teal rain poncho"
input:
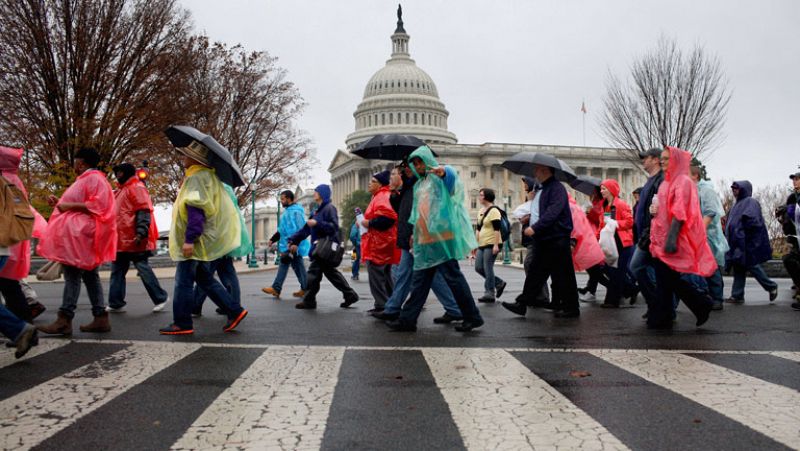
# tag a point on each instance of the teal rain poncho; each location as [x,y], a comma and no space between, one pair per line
[442,227]
[711,206]
[246,246]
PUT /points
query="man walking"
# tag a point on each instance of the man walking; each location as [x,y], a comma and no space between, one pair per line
[378,248]
[292,220]
[789,217]
[641,263]
[136,240]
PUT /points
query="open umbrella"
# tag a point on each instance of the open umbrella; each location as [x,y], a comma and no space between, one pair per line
[388,147]
[219,157]
[523,163]
[585,184]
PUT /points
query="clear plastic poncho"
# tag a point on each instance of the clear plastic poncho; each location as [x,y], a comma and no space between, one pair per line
[246,245]
[202,189]
[442,228]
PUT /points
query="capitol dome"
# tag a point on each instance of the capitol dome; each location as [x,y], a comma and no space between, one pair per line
[401,98]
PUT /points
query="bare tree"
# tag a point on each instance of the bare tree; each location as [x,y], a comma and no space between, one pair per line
[671,99]
[771,197]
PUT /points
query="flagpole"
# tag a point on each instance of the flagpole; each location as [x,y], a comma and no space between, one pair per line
[583,110]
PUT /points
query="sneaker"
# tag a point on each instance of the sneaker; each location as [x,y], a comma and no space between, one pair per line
[773,294]
[304,305]
[353,277]
[467,326]
[583,290]
[500,288]
[299,293]
[447,319]
[271,291]
[197,314]
[111,309]
[515,307]
[235,322]
[486,300]
[732,300]
[587,297]
[37,309]
[717,305]
[172,329]
[347,303]
[160,307]
[375,310]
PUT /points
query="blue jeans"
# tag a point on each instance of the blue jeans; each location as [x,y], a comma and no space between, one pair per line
[72,290]
[421,281]
[226,272]
[10,325]
[116,290]
[641,266]
[189,272]
[357,261]
[716,286]
[402,286]
[740,276]
[484,265]
[283,268]
[621,283]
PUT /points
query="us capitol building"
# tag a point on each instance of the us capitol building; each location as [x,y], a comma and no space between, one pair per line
[402,98]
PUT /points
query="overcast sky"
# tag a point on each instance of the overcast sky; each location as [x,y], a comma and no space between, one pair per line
[517,71]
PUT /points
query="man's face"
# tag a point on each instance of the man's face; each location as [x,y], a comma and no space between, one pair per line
[317,198]
[636,197]
[395,179]
[419,166]
[541,173]
[735,191]
[285,202]
[119,175]
[796,183]
[650,163]
[79,165]
[374,186]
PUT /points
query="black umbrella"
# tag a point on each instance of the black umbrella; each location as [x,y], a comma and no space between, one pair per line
[219,157]
[388,147]
[585,184]
[523,163]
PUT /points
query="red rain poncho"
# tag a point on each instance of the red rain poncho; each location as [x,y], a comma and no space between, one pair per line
[379,246]
[19,260]
[624,214]
[131,197]
[678,198]
[595,215]
[587,252]
[79,239]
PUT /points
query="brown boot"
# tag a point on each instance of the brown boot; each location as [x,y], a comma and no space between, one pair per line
[99,324]
[61,326]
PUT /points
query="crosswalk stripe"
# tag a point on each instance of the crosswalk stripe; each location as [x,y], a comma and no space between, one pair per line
[768,408]
[7,354]
[498,403]
[36,414]
[795,356]
[281,401]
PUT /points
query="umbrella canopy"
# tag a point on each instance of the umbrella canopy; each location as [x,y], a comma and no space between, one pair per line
[523,163]
[388,147]
[219,157]
[585,184]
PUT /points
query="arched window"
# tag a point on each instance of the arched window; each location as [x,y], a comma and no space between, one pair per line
[423,119]
[383,119]
[415,118]
[407,118]
[391,118]
[370,120]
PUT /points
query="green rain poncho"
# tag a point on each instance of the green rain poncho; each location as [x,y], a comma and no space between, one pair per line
[246,246]
[442,228]
[202,189]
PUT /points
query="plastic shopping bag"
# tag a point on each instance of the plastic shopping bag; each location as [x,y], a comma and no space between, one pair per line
[608,244]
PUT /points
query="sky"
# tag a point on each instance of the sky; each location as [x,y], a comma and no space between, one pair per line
[517,70]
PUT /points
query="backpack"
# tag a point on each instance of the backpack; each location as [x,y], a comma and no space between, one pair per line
[16,218]
[505,225]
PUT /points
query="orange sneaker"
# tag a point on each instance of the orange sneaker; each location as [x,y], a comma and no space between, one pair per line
[271,291]
[235,322]
[172,329]
[299,294]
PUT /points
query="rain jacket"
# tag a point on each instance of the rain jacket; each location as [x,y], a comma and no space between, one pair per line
[379,246]
[18,264]
[595,215]
[678,199]
[587,251]
[621,212]
[442,227]
[292,220]
[746,231]
[711,206]
[130,198]
[246,244]
[80,239]
[327,222]
[202,189]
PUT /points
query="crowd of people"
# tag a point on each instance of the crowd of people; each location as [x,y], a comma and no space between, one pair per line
[671,246]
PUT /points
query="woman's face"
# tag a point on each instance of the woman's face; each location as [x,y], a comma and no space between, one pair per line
[317,198]
[606,193]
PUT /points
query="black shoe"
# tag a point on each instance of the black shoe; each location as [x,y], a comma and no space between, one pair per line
[486,299]
[305,305]
[515,307]
[796,305]
[499,289]
[447,319]
[773,294]
[703,316]
[385,316]
[634,297]
[568,314]
[220,311]
[644,315]
[375,310]
[398,326]
[583,290]
[26,341]
[467,326]
[609,305]
[664,325]
[347,303]
[717,305]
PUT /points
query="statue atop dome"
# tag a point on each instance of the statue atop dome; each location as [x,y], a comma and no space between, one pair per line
[400,28]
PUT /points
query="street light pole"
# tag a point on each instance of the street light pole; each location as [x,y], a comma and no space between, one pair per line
[253,260]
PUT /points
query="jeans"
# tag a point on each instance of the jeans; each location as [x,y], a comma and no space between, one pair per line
[421,281]
[484,265]
[357,261]
[116,290]
[740,276]
[315,272]
[226,272]
[299,270]
[716,286]
[641,266]
[72,290]
[10,325]
[189,272]
[381,284]
[621,284]
[402,286]
[15,299]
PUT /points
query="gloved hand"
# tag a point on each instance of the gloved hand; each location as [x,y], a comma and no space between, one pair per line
[671,246]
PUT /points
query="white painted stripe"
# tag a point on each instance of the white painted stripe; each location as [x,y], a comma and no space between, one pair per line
[281,401]
[32,416]
[771,409]
[7,354]
[498,403]
[793,356]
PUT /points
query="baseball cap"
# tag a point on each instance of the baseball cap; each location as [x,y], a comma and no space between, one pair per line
[796,175]
[652,152]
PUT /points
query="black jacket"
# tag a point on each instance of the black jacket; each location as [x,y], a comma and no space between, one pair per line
[402,203]
[555,217]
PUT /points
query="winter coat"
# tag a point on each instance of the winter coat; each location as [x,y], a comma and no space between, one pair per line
[83,240]
[132,200]
[621,212]
[327,222]
[587,251]
[380,246]
[678,199]
[292,220]
[595,216]
[746,231]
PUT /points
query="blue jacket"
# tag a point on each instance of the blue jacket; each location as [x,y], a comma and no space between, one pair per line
[327,222]
[555,217]
[746,232]
[355,235]
[292,220]
[641,217]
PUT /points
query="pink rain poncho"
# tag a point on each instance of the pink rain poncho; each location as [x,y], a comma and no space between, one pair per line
[678,199]
[587,252]
[80,239]
[19,260]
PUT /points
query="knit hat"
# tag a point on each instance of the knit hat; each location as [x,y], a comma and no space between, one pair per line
[382,177]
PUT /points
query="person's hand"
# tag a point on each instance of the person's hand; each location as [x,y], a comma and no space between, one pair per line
[438,171]
[293,248]
[137,241]
[529,231]
[187,249]
[525,219]
[495,249]
[52,200]
[472,253]
[365,222]
[311,222]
